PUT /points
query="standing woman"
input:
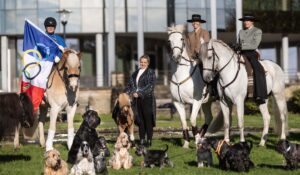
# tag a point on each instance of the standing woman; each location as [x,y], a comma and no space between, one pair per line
[141,88]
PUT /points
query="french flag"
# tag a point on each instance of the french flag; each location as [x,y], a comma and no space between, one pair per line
[39,51]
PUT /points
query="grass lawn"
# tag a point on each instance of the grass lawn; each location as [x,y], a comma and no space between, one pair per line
[29,159]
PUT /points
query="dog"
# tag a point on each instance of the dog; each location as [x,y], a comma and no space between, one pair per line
[100,153]
[54,165]
[84,161]
[14,110]
[121,157]
[86,132]
[233,157]
[204,154]
[154,157]
[123,115]
[291,153]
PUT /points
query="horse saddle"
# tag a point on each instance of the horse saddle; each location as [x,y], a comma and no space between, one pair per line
[250,88]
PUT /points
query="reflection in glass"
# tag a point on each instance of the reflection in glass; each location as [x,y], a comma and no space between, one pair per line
[155,19]
[92,20]
[26,4]
[48,4]
[70,4]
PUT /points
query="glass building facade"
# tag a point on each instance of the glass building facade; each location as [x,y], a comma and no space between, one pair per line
[91,17]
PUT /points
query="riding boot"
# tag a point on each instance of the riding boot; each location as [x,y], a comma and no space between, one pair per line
[194,130]
[49,142]
[70,137]
[186,135]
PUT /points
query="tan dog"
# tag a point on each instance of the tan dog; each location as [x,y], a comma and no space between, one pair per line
[54,165]
[123,114]
[121,157]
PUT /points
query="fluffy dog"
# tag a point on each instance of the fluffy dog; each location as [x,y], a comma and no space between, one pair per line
[204,155]
[233,157]
[100,153]
[154,157]
[86,132]
[291,153]
[123,115]
[121,157]
[15,109]
[54,165]
[84,162]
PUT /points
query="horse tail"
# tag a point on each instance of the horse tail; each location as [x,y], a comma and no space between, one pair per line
[217,123]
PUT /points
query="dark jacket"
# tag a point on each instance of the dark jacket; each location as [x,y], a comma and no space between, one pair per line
[144,88]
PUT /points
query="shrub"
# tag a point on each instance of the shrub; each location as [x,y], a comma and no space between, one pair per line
[251,107]
[294,102]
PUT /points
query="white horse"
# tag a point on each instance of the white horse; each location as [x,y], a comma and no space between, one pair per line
[220,59]
[187,85]
[61,93]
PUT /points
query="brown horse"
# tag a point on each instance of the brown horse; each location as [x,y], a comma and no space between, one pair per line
[15,110]
[61,93]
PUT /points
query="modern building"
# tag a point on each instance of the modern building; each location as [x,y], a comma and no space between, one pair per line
[111,34]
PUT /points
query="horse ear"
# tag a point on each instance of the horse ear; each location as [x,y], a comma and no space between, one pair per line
[79,55]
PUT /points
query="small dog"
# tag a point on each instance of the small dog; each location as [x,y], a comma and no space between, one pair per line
[233,157]
[123,115]
[84,162]
[204,155]
[86,132]
[100,152]
[121,157]
[291,153]
[54,165]
[154,157]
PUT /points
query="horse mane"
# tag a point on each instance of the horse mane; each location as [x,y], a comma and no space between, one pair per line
[177,28]
[204,50]
[124,100]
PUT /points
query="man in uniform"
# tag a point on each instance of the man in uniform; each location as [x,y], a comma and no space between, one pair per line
[249,39]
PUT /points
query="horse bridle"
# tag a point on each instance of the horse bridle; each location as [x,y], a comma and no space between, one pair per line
[180,48]
[216,71]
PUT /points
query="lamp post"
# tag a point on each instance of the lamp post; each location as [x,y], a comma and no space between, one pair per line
[64,16]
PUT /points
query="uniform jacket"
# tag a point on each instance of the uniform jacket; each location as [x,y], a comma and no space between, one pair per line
[194,40]
[59,40]
[249,39]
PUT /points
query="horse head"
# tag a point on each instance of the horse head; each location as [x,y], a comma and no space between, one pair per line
[209,61]
[70,62]
[27,118]
[176,41]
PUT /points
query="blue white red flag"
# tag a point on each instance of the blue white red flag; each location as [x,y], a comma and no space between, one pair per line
[39,51]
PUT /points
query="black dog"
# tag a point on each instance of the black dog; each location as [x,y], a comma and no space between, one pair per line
[204,155]
[233,157]
[154,157]
[86,132]
[15,109]
[100,152]
[291,153]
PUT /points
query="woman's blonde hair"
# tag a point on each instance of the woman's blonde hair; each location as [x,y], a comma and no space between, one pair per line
[145,56]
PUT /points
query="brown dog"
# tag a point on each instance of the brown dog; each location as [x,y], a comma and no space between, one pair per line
[123,115]
[54,165]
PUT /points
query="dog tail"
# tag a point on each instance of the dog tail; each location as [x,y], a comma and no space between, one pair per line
[167,147]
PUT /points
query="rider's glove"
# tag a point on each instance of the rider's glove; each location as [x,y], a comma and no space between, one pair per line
[56,59]
[61,48]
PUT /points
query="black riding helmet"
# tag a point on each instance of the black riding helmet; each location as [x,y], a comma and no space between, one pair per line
[50,22]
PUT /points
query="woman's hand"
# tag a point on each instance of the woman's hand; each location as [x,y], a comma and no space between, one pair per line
[135,95]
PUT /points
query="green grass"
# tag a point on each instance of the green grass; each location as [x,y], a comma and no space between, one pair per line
[29,159]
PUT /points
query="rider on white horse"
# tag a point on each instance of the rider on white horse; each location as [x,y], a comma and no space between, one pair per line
[249,39]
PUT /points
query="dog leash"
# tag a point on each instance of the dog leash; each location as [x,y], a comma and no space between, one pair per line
[220,143]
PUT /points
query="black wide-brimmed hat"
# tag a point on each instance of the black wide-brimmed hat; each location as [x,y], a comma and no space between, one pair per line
[248,17]
[196,18]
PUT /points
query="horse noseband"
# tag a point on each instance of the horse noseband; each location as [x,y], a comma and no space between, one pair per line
[73,75]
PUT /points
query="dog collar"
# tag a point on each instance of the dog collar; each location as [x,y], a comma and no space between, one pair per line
[288,149]
[218,150]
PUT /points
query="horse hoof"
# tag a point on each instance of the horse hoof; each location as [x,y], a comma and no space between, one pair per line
[262,144]
[17,148]
[185,145]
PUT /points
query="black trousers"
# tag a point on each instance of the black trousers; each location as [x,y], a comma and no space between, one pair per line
[260,85]
[145,114]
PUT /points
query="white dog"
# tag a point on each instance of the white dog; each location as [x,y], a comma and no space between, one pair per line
[84,162]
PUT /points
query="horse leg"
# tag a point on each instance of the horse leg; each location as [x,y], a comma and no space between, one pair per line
[17,139]
[42,119]
[281,116]
[266,117]
[70,115]
[51,132]
[207,112]
[195,111]
[240,114]
[181,110]
[226,113]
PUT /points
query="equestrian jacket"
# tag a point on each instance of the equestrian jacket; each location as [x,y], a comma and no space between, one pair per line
[194,40]
[145,85]
[249,39]
[59,40]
